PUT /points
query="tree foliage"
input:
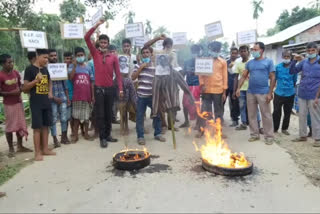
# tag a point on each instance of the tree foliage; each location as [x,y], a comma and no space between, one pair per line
[70,10]
[257,8]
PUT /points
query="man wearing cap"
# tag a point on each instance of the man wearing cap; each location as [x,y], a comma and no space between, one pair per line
[213,87]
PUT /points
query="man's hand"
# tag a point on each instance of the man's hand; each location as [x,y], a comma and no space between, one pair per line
[50,96]
[234,96]
[238,92]
[202,88]
[162,37]
[269,98]
[316,103]
[298,57]
[68,102]
[224,97]
[121,95]
[143,65]
[100,22]
[57,100]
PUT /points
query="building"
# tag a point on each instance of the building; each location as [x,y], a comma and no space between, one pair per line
[293,38]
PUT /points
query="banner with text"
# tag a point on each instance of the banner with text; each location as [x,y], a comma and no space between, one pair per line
[72,31]
[134,30]
[204,66]
[214,30]
[58,71]
[33,39]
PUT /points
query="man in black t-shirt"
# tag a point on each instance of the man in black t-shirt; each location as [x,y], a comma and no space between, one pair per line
[37,82]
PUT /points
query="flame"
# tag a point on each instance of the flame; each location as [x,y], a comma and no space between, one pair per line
[127,157]
[216,151]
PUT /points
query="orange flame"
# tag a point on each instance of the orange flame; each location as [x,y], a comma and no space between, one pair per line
[215,150]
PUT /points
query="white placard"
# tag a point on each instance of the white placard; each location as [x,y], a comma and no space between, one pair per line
[214,30]
[179,39]
[58,71]
[124,64]
[72,31]
[31,49]
[134,30]
[97,16]
[33,39]
[162,64]
[204,66]
[247,37]
[159,45]
[140,41]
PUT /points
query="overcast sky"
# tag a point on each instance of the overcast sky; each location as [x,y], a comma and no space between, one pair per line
[191,15]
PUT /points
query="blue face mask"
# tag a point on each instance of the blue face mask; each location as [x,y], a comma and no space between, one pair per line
[256,54]
[214,54]
[81,59]
[312,56]
[286,61]
[145,60]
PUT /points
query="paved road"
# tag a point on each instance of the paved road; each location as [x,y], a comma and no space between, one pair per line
[82,179]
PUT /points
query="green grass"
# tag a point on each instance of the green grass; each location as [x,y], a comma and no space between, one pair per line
[8,172]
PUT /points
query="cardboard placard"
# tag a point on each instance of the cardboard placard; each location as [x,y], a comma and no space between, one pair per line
[246,37]
[97,16]
[179,39]
[72,31]
[204,66]
[159,45]
[134,30]
[214,30]
[140,41]
[124,64]
[162,64]
[58,71]
[33,39]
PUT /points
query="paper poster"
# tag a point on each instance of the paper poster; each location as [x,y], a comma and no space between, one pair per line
[179,39]
[72,31]
[58,71]
[33,39]
[124,64]
[140,41]
[214,30]
[246,37]
[204,66]
[162,64]
[159,45]
[97,16]
[134,30]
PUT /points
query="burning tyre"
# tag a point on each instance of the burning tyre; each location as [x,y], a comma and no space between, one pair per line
[131,160]
[227,171]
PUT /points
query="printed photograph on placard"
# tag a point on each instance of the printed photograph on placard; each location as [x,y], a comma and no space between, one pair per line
[124,64]
[162,64]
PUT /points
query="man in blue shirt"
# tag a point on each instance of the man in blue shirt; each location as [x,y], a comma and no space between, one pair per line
[261,70]
[309,84]
[284,93]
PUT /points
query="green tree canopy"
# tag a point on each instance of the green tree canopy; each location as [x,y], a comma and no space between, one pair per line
[70,10]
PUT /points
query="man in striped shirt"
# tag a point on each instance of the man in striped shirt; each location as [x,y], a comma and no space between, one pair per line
[145,74]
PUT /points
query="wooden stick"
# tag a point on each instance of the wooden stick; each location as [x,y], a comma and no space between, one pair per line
[172,129]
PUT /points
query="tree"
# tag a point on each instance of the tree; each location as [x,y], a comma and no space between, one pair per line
[117,41]
[161,30]
[257,10]
[315,4]
[225,51]
[129,17]
[296,16]
[148,30]
[70,10]
[15,11]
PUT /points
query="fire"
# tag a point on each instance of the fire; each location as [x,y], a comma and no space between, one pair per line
[133,157]
[216,151]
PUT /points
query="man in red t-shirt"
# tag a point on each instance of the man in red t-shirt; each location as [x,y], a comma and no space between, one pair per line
[105,64]
[10,89]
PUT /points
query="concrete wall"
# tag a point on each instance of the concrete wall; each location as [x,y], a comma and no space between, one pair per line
[313,34]
[274,53]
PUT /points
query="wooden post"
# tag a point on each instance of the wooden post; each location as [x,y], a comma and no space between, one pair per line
[172,129]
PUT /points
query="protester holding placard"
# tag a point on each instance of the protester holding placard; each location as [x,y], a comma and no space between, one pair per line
[259,71]
[59,105]
[214,87]
[82,78]
[10,89]
[37,82]
[105,65]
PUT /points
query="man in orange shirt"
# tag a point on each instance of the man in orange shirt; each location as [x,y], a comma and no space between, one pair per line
[213,88]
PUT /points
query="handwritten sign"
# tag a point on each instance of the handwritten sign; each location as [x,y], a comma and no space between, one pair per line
[97,16]
[33,39]
[179,39]
[163,64]
[214,30]
[58,71]
[140,41]
[72,31]
[134,30]
[204,66]
[159,45]
[247,37]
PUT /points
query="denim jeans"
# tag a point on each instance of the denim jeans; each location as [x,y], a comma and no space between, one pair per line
[243,109]
[61,112]
[142,104]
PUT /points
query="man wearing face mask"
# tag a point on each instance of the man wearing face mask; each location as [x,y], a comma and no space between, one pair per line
[105,64]
[259,93]
[214,87]
[308,97]
[284,94]
[59,105]
[193,83]
[145,74]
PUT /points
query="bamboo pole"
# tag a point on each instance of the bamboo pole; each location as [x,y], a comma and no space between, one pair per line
[12,29]
[172,129]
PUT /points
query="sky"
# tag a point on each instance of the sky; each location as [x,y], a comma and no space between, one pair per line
[192,15]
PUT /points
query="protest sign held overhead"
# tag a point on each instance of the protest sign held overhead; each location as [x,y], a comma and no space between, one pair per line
[134,30]
[97,16]
[246,37]
[72,31]
[179,39]
[214,30]
[33,39]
